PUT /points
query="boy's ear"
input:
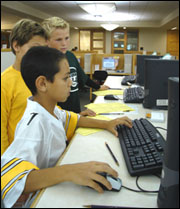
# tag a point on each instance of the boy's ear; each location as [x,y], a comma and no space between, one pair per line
[41,83]
[48,43]
[15,46]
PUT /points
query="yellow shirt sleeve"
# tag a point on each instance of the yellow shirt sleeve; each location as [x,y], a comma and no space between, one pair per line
[13,171]
[71,124]
[14,94]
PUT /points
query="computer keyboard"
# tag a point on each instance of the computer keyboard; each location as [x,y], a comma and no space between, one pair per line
[133,95]
[142,147]
[129,78]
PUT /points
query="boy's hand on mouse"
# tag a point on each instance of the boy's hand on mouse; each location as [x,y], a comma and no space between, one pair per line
[86,174]
[112,124]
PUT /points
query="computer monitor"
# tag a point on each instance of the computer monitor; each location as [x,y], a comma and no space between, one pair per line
[108,63]
[168,57]
[141,66]
[168,196]
[157,72]
[154,53]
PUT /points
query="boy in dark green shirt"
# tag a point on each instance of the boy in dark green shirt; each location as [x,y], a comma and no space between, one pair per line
[79,79]
[58,31]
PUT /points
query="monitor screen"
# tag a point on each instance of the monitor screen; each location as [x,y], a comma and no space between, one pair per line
[140,67]
[108,63]
[157,72]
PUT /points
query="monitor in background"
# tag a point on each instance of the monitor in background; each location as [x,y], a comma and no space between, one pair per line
[168,57]
[154,53]
[157,72]
[168,196]
[141,66]
[108,63]
[79,60]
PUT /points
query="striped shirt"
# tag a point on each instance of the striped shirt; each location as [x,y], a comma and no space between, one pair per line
[40,139]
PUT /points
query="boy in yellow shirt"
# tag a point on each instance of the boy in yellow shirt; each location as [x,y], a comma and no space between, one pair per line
[14,93]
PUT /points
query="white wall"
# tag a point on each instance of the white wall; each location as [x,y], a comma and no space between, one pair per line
[74,38]
[7,59]
[108,42]
[153,40]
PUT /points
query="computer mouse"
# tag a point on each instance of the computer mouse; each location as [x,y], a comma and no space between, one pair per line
[116,183]
[111,97]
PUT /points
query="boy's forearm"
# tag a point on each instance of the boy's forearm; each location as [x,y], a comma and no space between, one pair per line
[92,123]
[39,179]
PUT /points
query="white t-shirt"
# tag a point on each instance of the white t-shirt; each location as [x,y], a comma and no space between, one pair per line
[40,139]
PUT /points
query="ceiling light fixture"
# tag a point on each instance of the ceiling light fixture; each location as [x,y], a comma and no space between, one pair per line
[110,26]
[98,8]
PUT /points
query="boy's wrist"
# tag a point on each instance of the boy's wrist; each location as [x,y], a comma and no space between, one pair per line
[105,124]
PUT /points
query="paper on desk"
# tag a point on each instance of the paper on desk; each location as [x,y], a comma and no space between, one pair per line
[157,117]
[87,131]
[109,107]
[105,92]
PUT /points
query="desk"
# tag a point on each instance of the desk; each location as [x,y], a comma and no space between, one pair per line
[92,148]
[110,74]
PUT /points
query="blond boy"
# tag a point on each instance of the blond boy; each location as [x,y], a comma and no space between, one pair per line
[59,38]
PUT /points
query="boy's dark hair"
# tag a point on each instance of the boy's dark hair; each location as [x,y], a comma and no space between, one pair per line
[40,60]
[24,30]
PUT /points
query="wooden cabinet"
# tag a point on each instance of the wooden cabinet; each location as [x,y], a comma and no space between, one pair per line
[124,41]
[98,41]
[92,40]
[173,42]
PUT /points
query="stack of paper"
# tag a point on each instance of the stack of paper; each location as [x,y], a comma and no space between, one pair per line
[102,108]
[109,107]
[87,131]
[105,92]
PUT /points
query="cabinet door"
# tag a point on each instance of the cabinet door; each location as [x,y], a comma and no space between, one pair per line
[98,41]
[85,40]
[118,42]
[173,42]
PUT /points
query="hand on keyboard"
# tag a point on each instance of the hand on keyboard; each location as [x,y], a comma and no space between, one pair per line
[112,124]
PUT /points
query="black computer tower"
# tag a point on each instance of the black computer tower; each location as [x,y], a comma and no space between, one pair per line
[157,73]
[168,196]
[141,67]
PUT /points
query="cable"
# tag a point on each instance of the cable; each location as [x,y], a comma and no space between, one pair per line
[161,128]
[133,190]
[141,189]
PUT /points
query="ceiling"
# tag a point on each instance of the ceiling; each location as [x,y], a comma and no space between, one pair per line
[141,14]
